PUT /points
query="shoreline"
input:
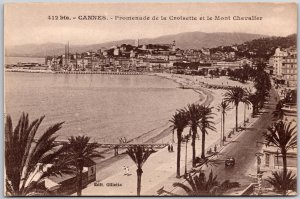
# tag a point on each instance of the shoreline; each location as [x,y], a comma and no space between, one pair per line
[111,169]
[73,72]
[211,97]
[164,132]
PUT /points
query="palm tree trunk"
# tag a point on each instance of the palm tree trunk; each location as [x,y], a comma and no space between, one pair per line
[194,132]
[203,144]
[236,116]
[223,128]
[284,164]
[139,172]
[222,124]
[178,152]
[79,187]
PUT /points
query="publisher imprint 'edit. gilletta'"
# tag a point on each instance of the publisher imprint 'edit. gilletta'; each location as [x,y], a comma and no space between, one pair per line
[150,99]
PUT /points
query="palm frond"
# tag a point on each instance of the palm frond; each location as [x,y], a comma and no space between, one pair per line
[184,187]
[23,153]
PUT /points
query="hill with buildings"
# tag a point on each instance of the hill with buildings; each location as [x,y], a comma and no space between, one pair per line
[186,40]
[259,48]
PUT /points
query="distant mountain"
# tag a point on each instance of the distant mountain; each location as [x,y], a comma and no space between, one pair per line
[186,40]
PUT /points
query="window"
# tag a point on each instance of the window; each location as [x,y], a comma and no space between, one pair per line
[267,163]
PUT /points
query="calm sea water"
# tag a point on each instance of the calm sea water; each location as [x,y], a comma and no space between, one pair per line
[15,60]
[100,106]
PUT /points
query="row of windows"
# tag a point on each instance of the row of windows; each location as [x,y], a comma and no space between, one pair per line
[291,77]
[290,71]
[290,66]
[291,60]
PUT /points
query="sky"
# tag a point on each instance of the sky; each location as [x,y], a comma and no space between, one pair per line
[28,23]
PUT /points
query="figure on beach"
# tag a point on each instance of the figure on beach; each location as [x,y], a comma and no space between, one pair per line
[170,147]
[122,140]
[126,171]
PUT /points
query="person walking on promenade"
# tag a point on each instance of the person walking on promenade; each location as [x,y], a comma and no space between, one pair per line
[124,169]
[171,147]
[127,171]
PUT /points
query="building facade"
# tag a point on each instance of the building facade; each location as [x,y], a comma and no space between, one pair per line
[289,70]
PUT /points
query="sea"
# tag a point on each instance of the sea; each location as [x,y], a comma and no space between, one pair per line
[15,60]
[103,107]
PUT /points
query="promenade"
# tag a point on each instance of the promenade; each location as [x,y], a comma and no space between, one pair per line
[160,168]
[159,171]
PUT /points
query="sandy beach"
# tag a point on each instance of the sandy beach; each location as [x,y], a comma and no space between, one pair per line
[110,169]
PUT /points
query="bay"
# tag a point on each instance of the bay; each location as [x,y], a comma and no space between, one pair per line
[100,106]
[15,60]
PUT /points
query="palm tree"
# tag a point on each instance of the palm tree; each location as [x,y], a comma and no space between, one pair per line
[262,83]
[262,95]
[206,123]
[139,154]
[81,150]
[278,113]
[277,180]
[179,122]
[193,114]
[29,159]
[254,100]
[235,96]
[223,108]
[284,137]
[199,186]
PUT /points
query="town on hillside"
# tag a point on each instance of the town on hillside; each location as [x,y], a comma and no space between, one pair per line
[157,58]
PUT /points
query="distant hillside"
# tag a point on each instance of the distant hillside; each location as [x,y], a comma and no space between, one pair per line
[196,40]
[265,47]
[187,40]
[260,48]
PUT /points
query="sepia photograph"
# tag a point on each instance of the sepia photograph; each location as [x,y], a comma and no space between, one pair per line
[150,99]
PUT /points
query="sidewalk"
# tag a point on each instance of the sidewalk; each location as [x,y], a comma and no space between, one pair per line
[159,171]
[168,184]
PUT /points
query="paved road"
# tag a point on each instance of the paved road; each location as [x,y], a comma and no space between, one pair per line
[244,147]
[159,170]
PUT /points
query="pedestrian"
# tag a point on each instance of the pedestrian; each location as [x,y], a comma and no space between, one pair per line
[127,171]
[169,147]
[124,169]
[124,140]
[215,149]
